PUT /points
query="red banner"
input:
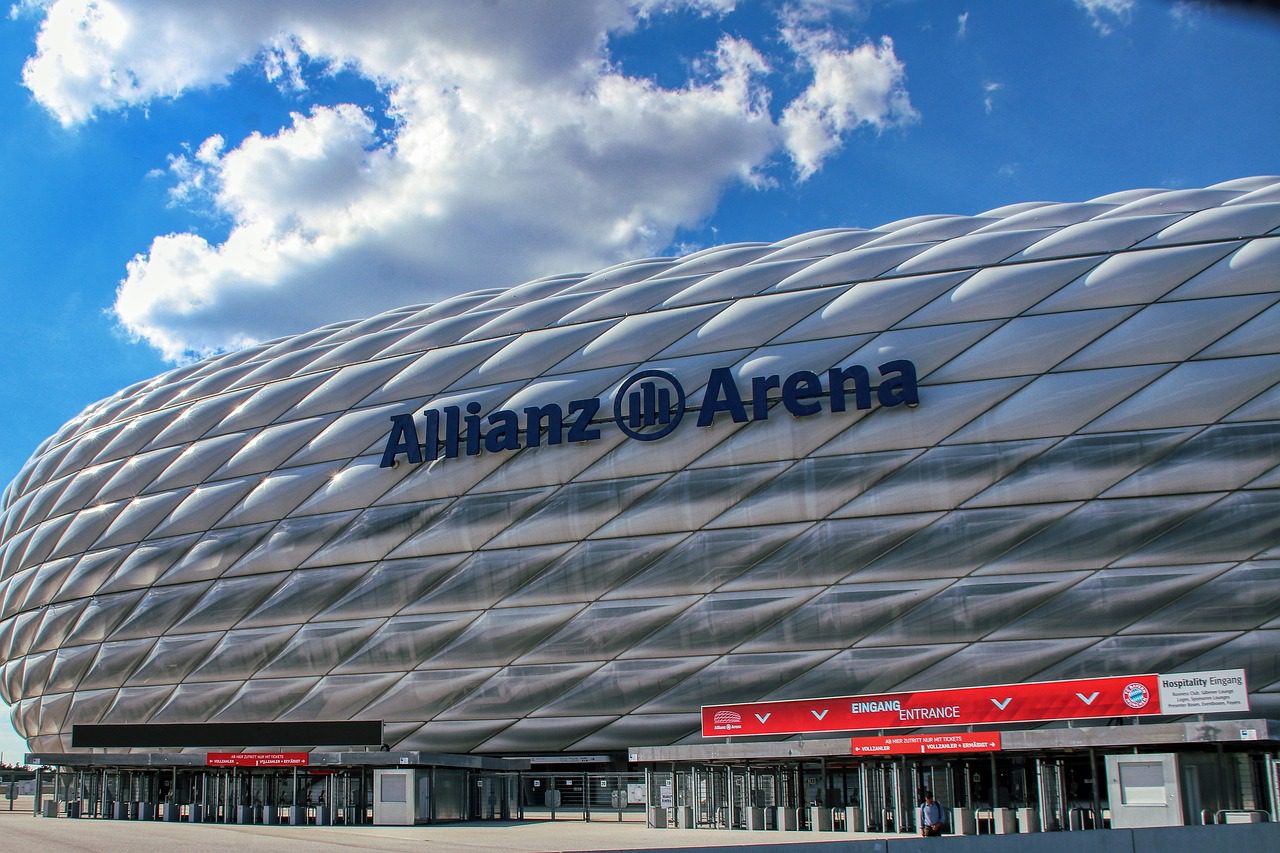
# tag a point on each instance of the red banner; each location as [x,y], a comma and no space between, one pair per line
[927,744]
[257,759]
[1077,699]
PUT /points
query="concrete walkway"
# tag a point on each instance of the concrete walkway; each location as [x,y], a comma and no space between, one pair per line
[20,831]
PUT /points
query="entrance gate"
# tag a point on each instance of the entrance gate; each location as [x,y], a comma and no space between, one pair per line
[938,777]
[882,783]
[495,796]
[580,796]
[1051,784]
[314,795]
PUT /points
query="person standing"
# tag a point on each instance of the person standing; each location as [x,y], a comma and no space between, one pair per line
[930,816]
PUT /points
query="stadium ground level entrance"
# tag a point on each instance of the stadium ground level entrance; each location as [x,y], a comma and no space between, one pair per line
[208,795]
[880,796]
[1039,780]
[385,788]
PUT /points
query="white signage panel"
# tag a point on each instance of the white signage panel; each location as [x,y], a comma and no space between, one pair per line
[1209,692]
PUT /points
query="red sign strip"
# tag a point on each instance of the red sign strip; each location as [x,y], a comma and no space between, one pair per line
[257,759]
[1075,699]
[926,744]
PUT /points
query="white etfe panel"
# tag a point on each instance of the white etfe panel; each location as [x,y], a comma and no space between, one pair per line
[1204,692]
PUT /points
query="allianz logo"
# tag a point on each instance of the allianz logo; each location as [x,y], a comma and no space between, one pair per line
[648,406]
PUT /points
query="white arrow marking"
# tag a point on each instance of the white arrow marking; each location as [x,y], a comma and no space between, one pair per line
[764,718]
[816,714]
[1002,705]
[1088,700]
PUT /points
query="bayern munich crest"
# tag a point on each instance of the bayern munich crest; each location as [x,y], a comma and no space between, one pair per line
[1136,695]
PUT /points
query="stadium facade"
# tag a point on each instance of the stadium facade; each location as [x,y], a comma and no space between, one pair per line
[1040,442]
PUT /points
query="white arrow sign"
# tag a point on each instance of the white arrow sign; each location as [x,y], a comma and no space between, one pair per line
[764,718]
[816,714]
[1002,705]
[1088,700]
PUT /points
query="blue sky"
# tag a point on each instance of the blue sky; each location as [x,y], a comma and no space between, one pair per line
[184,181]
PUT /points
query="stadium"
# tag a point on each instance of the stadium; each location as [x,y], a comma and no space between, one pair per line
[1036,443]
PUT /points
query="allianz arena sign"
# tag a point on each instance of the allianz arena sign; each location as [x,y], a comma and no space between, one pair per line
[647,406]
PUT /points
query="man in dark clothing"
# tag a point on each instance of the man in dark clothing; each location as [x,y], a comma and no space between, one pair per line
[930,816]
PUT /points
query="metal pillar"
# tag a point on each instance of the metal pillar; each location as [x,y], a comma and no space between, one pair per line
[1041,801]
[730,809]
[895,777]
[995,783]
[1095,789]
[863,799]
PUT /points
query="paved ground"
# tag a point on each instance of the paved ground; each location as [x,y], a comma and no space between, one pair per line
[20,831]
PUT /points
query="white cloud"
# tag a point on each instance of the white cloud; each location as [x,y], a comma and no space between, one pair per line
[77,69]
[1188,13]
[850,88]
[989,90]
[517,147]
[1105,15]
[814,13]
[962,24]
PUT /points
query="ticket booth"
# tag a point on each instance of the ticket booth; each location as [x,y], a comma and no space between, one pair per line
[1143,790]
[394,797]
